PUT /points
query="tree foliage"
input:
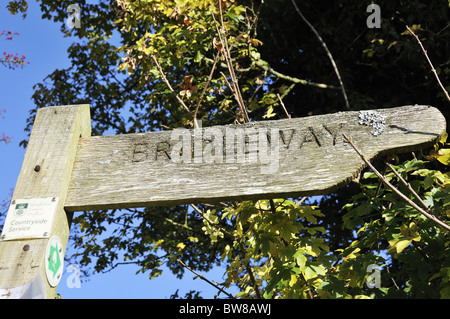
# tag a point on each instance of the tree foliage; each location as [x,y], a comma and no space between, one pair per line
[4,137]
[10,60]
[127,52]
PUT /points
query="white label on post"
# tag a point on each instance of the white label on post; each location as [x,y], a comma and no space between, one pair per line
[29,218]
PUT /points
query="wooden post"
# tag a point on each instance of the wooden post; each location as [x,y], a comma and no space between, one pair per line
[38,204]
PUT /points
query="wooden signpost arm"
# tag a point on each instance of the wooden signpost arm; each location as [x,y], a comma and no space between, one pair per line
[45,176]
[305,156]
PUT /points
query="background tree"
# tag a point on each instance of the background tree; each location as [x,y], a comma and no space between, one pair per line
[227,61]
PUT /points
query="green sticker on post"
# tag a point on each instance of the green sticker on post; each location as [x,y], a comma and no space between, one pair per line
[54,261]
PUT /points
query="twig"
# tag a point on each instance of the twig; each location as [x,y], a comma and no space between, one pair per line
[206,85]
[235,96]
[393,280]
[302,200]
[170,87]
[410,189]
[206,279]
[324,45]
[226,51]
[380,183]
[177,224]
[272,207]
[282,104]
[228,84]
[429,62]
[265,66]
[392,187]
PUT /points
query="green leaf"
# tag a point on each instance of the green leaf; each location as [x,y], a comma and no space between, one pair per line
[301,260]
[309,272]
[398,245]
[368,175]
[198,56]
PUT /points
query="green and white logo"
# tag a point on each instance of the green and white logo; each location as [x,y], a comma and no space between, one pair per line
[20,209]
[54,260]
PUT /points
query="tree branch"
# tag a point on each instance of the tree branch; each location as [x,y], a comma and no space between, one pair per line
[324,45]
[177,224]
[428,209]
[205,279]
[282,105]
[429,62]
[227,55]
[395,190]
[170,87]
[206,85]
[265,66]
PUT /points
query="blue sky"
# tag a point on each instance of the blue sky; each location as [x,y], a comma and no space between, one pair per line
[46,49]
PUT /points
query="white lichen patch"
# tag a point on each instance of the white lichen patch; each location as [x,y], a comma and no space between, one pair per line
[374,119]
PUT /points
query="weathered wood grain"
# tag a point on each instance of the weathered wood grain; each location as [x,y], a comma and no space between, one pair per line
[137,170]
[52,147]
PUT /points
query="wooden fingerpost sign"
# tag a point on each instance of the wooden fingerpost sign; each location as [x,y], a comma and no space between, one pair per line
[36,228]
[67,170]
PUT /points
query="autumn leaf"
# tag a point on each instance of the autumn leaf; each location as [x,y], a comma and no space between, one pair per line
[181,246]
[444,156]
[226,3]
[218,45]
[187,89]
[255,42]
[441,154]
[270,113]
[186,21]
